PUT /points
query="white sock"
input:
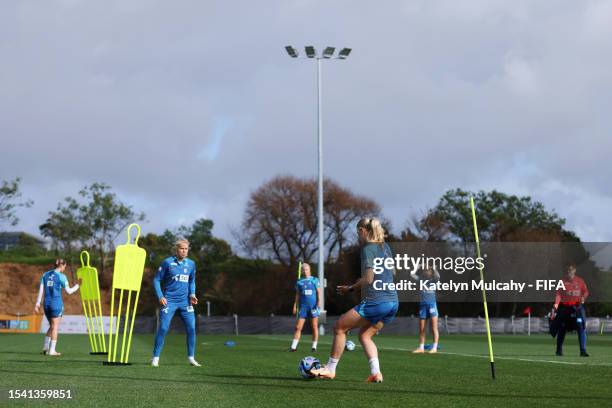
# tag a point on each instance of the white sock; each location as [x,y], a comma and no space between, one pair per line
[314,344]
[294,344]
[374,365]
[155,360]
[422,346]
[331,364]
[191,358]
[47,342]
[53,344]
[434,346]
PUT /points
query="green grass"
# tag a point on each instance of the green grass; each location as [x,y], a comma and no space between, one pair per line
[259,372]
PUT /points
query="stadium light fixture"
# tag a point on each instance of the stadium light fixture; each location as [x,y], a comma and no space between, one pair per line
[310,51]
[292,52]
[328,52]
[344,53]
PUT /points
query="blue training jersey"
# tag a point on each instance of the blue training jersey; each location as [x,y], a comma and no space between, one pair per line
[54,282]
[307,288]
[428,295]
[376,292]
[177,278]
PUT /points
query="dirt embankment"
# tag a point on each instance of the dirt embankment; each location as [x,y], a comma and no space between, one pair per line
[19,288]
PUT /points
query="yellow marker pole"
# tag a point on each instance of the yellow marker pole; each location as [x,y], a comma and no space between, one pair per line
[484,294]
[297,315]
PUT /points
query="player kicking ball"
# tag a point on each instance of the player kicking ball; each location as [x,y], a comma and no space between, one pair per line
[51,284]
[177,274]
[377,308]
[308,298]
[428,308]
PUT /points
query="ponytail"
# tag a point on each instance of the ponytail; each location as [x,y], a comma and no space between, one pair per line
[376,232]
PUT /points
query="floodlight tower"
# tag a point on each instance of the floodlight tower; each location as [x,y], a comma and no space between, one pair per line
[328,54]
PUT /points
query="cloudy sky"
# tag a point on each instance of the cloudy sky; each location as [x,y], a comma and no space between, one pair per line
[185,107]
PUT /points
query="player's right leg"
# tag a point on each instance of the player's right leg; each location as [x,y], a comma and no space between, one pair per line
[297,333]
[421,348]
[560,339]
[47,341]
[165,317]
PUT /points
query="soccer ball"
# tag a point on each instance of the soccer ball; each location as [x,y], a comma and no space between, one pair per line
[307,364]
[349,346]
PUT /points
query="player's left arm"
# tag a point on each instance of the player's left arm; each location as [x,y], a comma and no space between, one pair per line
[318,294]
[66,286]
[192,296]
[584,290]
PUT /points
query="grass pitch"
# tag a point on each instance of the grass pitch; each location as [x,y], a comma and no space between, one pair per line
[259,372]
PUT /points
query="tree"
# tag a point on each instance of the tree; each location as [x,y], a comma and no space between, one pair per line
[104,218]
[280,220]
[501,217]
[10,201]
[95,221]
[64,228]
[204,245]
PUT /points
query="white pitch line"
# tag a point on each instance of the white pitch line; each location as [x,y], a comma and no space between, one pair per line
[530,360]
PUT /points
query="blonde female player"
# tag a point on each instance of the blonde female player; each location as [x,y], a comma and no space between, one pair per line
[51,285]
[377,308]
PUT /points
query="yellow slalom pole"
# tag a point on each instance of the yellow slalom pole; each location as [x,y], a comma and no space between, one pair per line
[88,326]
[110,332]
[125,325]
[484,294]
[118,322]
[132,327]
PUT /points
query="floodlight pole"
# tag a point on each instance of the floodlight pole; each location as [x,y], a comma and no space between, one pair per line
[327,54]
[321,265]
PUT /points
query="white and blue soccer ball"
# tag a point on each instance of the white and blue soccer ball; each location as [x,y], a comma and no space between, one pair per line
[307,364]
[349,346]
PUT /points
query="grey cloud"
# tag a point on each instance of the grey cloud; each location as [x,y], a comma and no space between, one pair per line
[511,95]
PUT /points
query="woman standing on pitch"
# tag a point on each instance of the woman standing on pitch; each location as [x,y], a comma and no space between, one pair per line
[177,275]
[51,285]
[377,308]
[306,306]
[428,308]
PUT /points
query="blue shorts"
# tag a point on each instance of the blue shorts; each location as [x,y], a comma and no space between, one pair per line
[306,312]
[53,311]
[377,312]
[428,310]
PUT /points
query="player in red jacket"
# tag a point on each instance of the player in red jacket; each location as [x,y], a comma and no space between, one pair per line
[568,310]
